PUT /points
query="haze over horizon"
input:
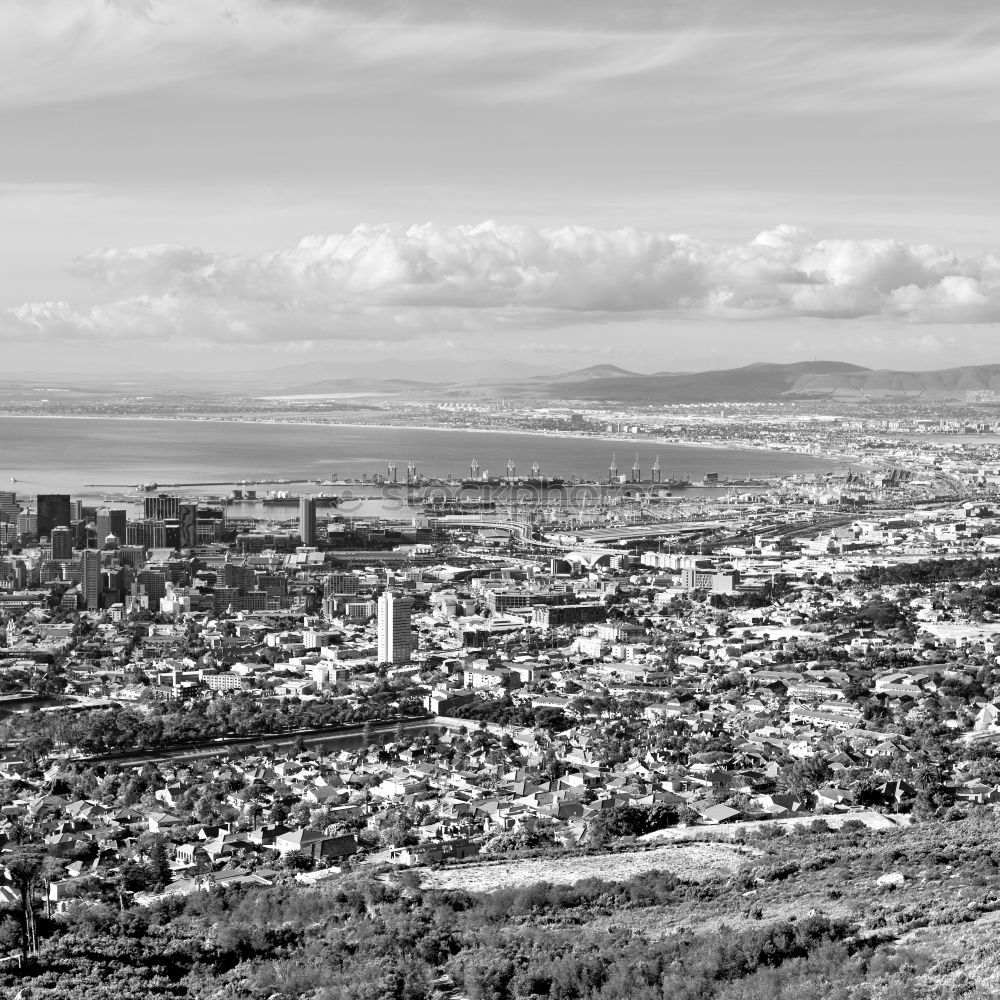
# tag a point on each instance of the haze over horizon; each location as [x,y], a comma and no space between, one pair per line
[263,183]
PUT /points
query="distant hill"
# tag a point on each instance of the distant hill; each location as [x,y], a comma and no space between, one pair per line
[943,384]
[757,382]
[353,386]
[760,382]
[588,374]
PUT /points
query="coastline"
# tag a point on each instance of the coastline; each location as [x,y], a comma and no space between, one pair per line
[739,446]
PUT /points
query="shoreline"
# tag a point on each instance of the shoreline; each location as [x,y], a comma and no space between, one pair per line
[742,446]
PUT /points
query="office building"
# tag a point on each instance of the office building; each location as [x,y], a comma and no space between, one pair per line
[307,520]
[131,555]
[187,517]
[341,585]
[209,531]
[153,584]
[53,512]
[9,507]
[27,523]
[111,522]
[62,543]
[150,534]
[559,616]
[84,536]
[359,611]
[718,581]
[161,508]
[275,585]
[240,576]
[395,636]
[91,583]
[257,600]
[172,534]
[225,598]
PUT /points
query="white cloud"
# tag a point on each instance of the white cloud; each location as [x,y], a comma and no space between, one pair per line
[395,283]
[731,58]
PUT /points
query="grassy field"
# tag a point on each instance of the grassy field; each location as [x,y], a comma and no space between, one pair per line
[690,862]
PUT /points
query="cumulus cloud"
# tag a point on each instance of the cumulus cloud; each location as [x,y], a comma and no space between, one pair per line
[397,283]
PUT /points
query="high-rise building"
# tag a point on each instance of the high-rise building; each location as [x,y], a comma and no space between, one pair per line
[9,507]
[149,533]
[53,512]
[62,543]
[273,584]
[161,508]
[131,555]
[153,584]
[340,584]
[91,582]
[395,636]
[172,533]
[307,520]
[187,516]
[111,522]
[239,575]
[27,523]
[84,535]
[226,597]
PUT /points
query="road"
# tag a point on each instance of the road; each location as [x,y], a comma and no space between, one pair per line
[311,737]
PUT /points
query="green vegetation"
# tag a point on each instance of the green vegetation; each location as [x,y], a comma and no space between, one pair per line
[121,728]
[928,571]
[806,918]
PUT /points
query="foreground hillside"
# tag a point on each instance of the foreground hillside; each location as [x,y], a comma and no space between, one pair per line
[852,915]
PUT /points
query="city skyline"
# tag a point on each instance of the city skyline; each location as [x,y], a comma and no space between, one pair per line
[264,183]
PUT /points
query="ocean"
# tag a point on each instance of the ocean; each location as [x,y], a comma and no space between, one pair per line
[93,457]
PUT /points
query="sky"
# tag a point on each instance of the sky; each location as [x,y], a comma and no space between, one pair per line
[663,186]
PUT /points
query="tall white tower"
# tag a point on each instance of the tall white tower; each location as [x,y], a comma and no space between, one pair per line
[395,636]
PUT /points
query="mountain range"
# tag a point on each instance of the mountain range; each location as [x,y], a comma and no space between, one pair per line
[455,379]
[760,382]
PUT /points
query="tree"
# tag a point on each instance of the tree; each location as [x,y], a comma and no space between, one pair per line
[132,877]
[295,861]
[802,777]
[159,864]
[25,867]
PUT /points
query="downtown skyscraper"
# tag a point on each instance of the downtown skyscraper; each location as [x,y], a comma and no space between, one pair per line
[396,641]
